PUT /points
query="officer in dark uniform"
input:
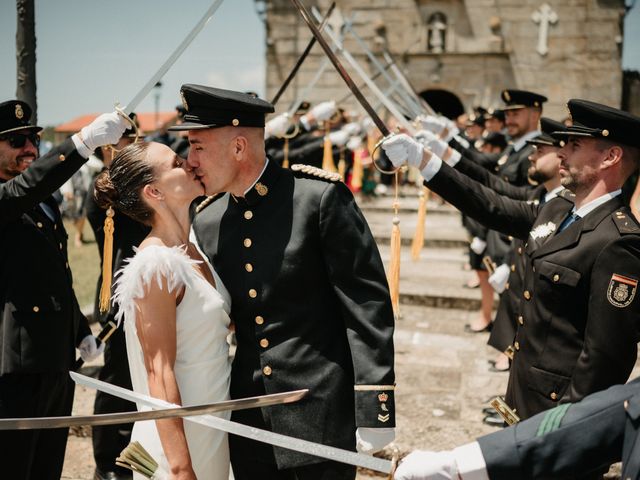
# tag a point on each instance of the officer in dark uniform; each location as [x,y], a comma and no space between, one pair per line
[310,300]
[569,441]
[41,323]
[578,322]
[109,440]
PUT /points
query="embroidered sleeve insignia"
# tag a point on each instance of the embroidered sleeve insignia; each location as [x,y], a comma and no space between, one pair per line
[621,290]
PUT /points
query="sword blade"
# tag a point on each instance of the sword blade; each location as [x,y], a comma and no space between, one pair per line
[302,58]
[128,417]
[135,101]
[279,440]
[340,69]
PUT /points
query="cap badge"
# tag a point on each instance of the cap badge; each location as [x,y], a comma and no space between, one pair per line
[235,122]
[605,133]
[184,101]
[262,189]
[383,397]
[507,96]
[19,112]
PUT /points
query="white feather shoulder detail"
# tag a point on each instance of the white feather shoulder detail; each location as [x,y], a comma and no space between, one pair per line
[155,262]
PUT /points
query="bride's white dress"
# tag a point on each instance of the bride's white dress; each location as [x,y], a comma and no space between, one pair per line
[202,366]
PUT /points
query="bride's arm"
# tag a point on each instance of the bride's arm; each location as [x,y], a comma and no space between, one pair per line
[156,325]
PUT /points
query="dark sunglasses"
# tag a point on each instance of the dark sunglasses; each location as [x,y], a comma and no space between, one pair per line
[18,140]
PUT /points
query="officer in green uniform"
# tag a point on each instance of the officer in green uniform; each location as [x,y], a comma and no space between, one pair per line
[310,300]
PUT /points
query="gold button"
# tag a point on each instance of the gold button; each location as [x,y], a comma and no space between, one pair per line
[247,242]
[264,343]
[506,286]
[259,320]
[527,294]
[516,345]
[248,214]
[520,319]
[510,238]
[519,250]
[39,224]
[55,227]
[61,158]
[253,293]
[513,267]
[36,309]
[267,370]
[626,404]
[60,245]
[554,396]
[556,277]
[66,264]
[534,269]
[248,267]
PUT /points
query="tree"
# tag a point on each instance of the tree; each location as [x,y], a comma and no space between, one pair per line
[26,55]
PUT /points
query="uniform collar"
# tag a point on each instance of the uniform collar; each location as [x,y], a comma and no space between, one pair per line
[522,141]
[593,204]
[263,185]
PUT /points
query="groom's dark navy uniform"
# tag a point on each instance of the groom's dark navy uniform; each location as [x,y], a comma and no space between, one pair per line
[310,304]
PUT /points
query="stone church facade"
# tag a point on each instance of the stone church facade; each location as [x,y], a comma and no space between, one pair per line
[460,53]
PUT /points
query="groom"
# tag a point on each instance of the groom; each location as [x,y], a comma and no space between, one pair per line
[310,301]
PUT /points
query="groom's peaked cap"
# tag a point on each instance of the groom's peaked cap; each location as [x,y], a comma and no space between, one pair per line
[209,107]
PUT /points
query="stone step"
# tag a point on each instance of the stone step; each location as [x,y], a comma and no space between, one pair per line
[436,279]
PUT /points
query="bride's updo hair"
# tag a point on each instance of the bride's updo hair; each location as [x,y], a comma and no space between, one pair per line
[120,186]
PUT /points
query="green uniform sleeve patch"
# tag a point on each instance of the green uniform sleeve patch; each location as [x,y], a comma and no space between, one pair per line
[552,419]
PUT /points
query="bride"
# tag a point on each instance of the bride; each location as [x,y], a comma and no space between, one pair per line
[175,309]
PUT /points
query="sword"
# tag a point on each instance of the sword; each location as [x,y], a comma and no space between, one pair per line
[165,412]
[405,81]
[135,101]
[279,440]
[302,58]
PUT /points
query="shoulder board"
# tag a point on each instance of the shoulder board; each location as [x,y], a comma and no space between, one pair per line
[567,195]
[316,172]
[625,222]
[207,201]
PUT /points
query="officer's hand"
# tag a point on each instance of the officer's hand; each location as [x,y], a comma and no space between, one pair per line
[323,111]
[89,349]
[339,138]
[371,440]
[478,245]
[424,465]
[277,126]
[104,130]
[433,124]
[354,143]
[498,279]
[403,149]
[432,142]
[352,128]
[367,124]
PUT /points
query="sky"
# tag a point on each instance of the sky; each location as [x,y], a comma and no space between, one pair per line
[94,53]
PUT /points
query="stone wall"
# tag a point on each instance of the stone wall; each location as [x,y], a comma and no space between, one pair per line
[487,45]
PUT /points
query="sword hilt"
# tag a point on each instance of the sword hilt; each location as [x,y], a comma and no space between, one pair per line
[102,337]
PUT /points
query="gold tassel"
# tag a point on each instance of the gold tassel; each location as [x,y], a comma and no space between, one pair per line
[418,237]
[107,260]
[285,161]
[357,172]
[393,277]
[342,164]
[327,157]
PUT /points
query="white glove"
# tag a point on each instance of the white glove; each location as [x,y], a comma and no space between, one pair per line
[433,124]
[354,143]
[352,128]
[277,126]
[477,245]
[452,129]
[371,440]
[498,279]
[339,138]
[403,149]
[89,349]
[104,130]
[323,111]
[432,142]
[367,124]
[424,465]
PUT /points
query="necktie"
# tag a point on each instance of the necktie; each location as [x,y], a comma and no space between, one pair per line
[568,221]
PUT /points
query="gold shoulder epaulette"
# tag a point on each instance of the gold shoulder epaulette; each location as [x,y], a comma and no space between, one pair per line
[205,203]
[316,172]
[625,222]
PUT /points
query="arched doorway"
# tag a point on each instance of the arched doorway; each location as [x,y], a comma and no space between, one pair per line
[443,102]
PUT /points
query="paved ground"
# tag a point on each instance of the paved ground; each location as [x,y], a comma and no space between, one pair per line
[442,376]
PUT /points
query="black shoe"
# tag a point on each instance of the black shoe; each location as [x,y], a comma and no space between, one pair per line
[104,475]
[493,368]
[468,329]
